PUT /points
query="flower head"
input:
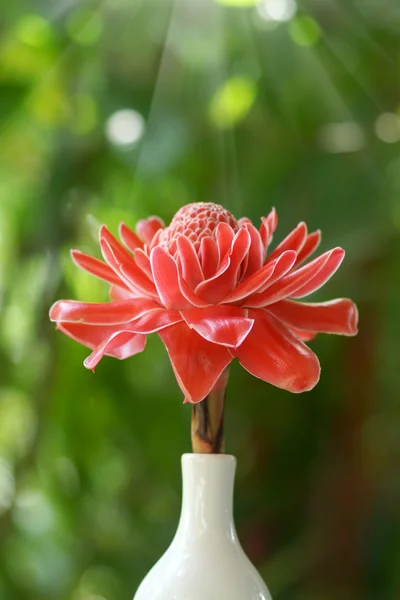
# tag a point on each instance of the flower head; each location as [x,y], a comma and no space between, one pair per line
[213,291]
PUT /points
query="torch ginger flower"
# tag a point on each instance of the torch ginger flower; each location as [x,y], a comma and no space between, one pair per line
[212,290]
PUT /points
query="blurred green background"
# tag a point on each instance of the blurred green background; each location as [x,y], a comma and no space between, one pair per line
[118,109]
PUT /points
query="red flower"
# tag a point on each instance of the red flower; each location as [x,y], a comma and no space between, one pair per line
[211,290]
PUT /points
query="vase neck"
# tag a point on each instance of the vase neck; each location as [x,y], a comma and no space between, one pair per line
[207,501]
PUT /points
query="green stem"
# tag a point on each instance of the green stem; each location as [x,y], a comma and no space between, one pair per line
[208,420]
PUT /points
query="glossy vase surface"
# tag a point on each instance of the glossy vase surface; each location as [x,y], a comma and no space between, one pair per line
[205,560]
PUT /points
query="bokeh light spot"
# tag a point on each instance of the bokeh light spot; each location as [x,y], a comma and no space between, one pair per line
[17,423]
[238,3]
[341,137]
[387,128]
[7,485]
[34,31]
[84,27]
[33,512]
[232,102]
[125,127]
[276,10]
[304,31]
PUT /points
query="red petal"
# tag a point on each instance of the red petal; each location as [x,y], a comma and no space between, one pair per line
[129,272]
[310,245]
[97,337]
[147,228]
[191,270]
[88,335]
[337,316]
[129,237]
[226,325]
[224,235]
[109,257]
[96,313]
[209,256]
[189,294]
[134,275]
[121,256]
[268,226]
[304,336]
[154,320]
[272,353]
[215,289]
[322,276]
[197,364]
[121,344]
[165,275]
[316,272]
[119,293]
[96,267]
[256,251]
[294,241]
[143,262]
[269,273]
[156,238]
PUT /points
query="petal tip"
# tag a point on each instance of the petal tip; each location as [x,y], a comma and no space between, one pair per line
[307,379]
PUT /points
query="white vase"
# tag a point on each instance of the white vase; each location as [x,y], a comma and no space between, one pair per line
[205,560]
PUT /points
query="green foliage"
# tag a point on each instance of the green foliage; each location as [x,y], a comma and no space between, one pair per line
[297,113]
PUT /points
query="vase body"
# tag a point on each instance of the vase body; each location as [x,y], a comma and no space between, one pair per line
[205,560]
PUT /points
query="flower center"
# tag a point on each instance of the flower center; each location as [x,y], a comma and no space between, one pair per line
[196,221]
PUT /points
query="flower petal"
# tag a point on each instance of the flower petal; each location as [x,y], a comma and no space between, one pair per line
[121,255]
[190,296]
[197,363]
[143,262]
[147,228]
[315,272]
[96,267]
[304,336]
[224,235]
[129,237]
[154,320]
[129,272]
[209,256]
[100,313]
[215,289]
[270,272]
[334,261]
[105,339]
[111,260]
[121,344]
[294,241]
[310,245]
[272,353]
[190,265]
[165,275]
[256,251]
[268,226]
[120,293]
[225,325]
[337,316]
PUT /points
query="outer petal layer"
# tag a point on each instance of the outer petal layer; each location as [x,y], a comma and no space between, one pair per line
[104,340]
[165,275]
[337,316]
[101,313]
[121,344]
[96,267]
[197,364]
[272,353]
[225,325]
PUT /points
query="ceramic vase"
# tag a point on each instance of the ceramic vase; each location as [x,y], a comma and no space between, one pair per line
[205,560]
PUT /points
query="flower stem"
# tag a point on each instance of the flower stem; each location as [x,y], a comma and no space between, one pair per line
[208,420]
